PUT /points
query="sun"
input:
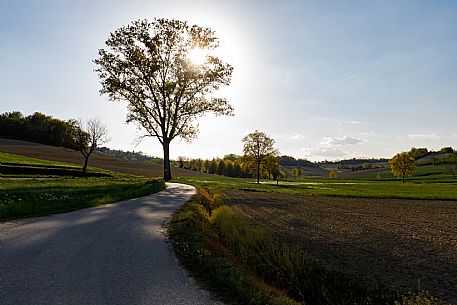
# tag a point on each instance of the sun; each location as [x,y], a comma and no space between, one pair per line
[197,56]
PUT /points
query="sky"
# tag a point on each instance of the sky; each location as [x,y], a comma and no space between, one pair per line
[325,79]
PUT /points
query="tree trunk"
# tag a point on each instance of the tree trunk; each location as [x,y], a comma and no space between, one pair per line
[86,160]
[258,172]
[166,161]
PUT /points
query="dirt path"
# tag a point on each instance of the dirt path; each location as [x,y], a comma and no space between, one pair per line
[404,242]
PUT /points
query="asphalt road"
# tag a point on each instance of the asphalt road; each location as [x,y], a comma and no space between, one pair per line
[113,254]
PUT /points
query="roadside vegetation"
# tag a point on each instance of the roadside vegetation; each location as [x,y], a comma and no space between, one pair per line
[34,187]
[248,265]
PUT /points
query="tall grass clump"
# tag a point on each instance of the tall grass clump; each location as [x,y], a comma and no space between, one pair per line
[199,249]
[292,270]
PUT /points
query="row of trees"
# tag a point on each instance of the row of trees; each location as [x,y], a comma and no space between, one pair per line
[238,167]
[129,155]
[260,159]
[39,128]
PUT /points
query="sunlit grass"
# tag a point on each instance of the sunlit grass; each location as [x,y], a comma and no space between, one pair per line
[340,187]
[34,187]
[17,159]
[23,197]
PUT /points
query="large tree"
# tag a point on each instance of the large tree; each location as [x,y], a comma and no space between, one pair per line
[257,147]
[151,65]
[402,165]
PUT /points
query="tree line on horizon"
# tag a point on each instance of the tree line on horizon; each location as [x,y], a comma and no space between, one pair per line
[233,165]
[39,128]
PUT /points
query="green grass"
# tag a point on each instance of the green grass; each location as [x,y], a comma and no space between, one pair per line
[426,173]
[16,166]
[26,197]
[35,187]
[17,159]
[420,189]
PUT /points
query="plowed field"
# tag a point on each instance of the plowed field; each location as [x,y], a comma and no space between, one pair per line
[402,242]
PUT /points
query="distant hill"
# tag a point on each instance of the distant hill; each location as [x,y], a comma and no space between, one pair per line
[310,171]
[129,155]
[99,160]
[433,155]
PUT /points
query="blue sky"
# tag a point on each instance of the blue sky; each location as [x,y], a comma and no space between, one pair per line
[325,79]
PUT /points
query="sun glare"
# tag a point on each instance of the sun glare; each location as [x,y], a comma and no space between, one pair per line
[197,56]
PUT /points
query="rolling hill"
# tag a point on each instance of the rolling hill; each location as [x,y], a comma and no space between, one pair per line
[98,160]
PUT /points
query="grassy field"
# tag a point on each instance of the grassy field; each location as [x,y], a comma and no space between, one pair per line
[418,189]
[426,173]
[34,187]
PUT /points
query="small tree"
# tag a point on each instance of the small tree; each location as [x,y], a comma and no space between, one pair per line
[332,174]
[230,170]
[277,173]
[270,164]
[150,66]
[88,136]
[452,162]
[221,168]
[297,172]
[257,146]
[237,170]
[402,165]
[212,167]
[367,165]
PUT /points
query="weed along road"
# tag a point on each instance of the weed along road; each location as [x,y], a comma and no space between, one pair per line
[113,254]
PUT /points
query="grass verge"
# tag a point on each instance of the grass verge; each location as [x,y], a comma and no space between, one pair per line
[246,265]
[26,197]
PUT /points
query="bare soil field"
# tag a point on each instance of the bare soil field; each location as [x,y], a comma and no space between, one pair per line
[61,154]
[401,242]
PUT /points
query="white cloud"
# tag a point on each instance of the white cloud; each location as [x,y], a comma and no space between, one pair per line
[340,141]
[432,136]
[297,137]
[354,122]
[323,152]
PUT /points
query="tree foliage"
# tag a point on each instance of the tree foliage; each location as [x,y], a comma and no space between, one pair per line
[332,174]
[147,64]
[257,147]
[418,152]
[402,165]
[38,128]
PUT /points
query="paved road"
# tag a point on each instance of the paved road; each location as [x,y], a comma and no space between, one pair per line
[114,254]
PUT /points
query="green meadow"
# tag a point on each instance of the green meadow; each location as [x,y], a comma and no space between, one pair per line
[34,187]
[420,188]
